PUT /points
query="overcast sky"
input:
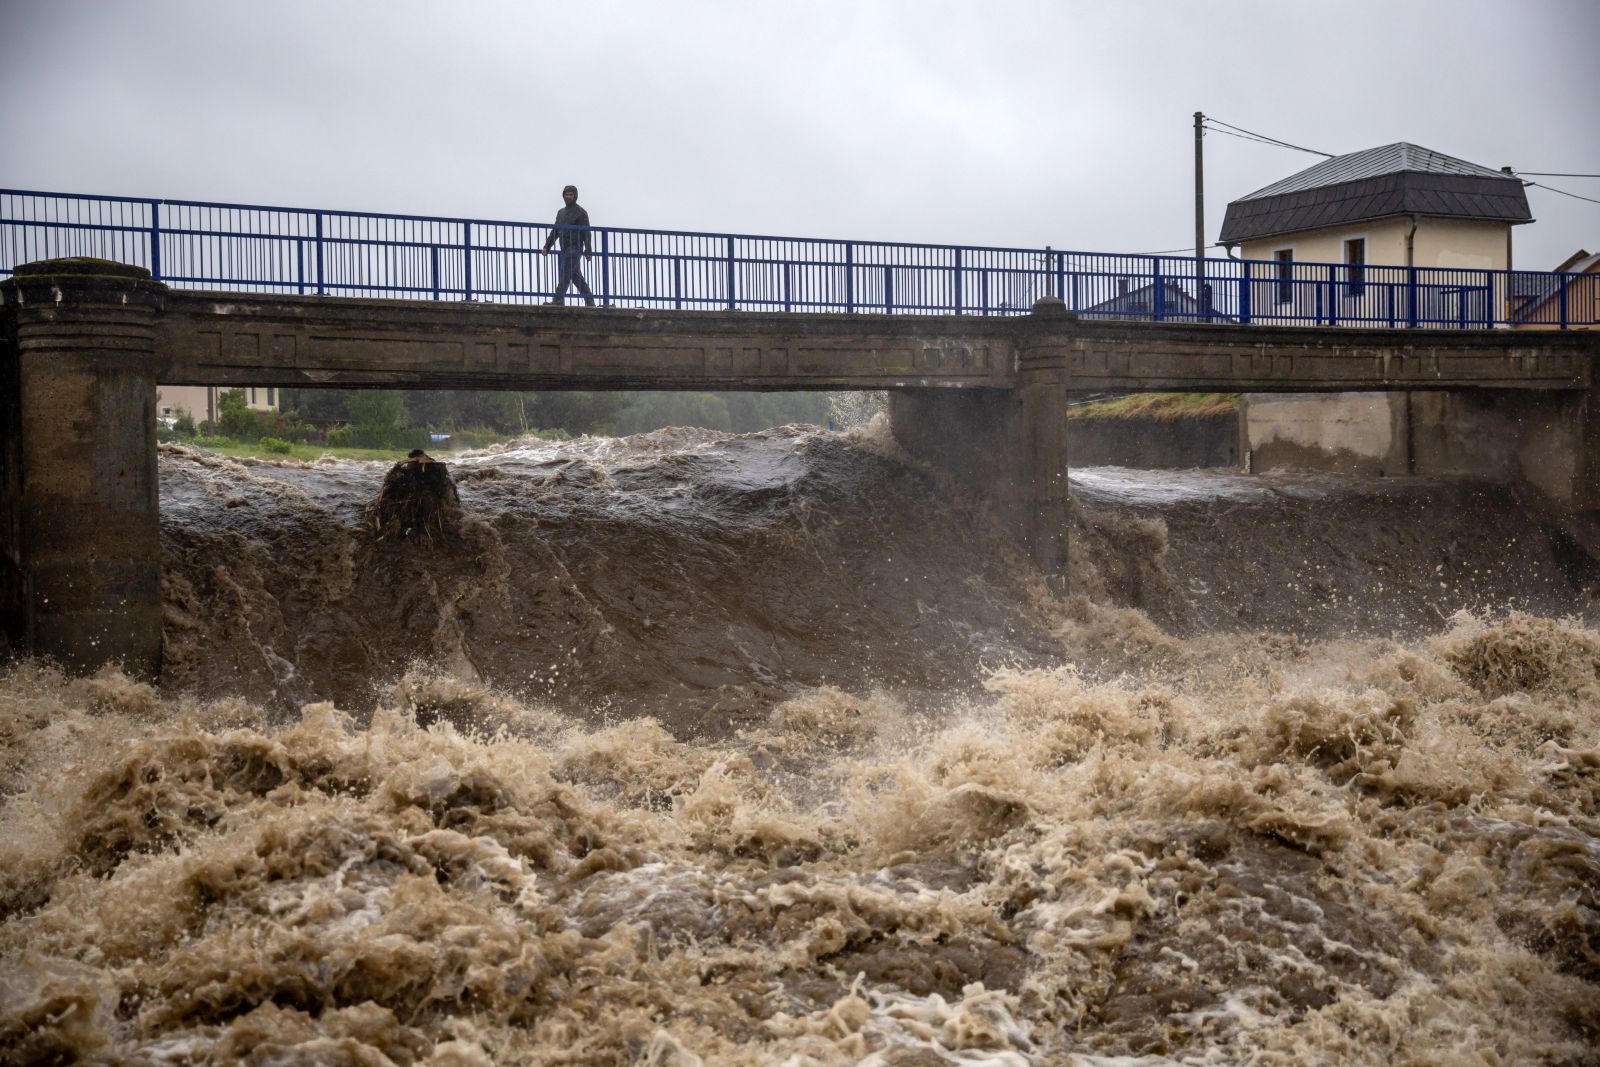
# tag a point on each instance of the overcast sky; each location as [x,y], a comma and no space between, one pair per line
[998,122]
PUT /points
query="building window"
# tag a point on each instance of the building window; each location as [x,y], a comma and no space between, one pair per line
[271,397]
[1285,257]
[252,396]
[1355,258]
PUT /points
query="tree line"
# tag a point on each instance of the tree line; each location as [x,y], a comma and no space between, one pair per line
[381,418]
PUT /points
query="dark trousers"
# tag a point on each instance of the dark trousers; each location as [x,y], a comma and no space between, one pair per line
[571,275]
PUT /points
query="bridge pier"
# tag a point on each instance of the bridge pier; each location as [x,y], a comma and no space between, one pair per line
[1007,446]
[80,532]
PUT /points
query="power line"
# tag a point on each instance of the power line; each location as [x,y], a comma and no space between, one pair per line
[1170,251]
[1242,137]
[1258,140]
[1563,192]
[1556,174]
[1253,135]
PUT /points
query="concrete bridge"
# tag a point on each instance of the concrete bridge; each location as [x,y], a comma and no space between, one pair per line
[84,343]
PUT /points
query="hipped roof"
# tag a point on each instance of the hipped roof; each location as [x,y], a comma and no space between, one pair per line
[1396,179]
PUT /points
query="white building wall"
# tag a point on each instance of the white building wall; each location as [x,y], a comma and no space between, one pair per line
[200,401]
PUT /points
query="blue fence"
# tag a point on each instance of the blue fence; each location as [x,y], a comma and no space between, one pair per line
[241,247]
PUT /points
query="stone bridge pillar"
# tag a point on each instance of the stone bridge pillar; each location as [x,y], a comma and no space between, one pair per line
[80,534]
[1006,446]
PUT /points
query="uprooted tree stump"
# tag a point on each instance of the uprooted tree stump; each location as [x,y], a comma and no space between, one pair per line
[418,502]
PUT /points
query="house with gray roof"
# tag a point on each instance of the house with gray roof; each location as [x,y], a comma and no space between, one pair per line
[1393,183]
[1369,212]
[1398,205]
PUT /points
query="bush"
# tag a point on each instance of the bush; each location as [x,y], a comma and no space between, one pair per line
[381,437]
[286,426]
[235,418]
[340,437]
[276,445]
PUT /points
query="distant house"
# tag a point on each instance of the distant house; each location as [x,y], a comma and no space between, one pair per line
[199,402]
[1131,303]
[1397,205]
[1537,299]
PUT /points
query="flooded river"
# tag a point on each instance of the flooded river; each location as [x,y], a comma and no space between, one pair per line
[692,748]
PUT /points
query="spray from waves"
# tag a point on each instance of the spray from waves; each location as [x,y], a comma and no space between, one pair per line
[1400,868]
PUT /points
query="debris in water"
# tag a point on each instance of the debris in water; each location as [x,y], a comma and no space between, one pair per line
[418,501]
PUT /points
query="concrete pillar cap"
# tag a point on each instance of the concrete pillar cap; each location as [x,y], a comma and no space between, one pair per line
[81,280]
[1050,305]
[81,266]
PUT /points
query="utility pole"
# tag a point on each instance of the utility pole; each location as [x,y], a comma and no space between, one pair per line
[1202,290]
[1199,190]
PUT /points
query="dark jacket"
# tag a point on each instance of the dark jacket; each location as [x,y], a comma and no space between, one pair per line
[571,240]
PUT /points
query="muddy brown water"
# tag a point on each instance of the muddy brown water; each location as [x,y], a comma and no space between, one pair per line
[771,749]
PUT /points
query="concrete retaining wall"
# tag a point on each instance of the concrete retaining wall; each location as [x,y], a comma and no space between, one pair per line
[1154,444]
[1350,433]
[1546,441]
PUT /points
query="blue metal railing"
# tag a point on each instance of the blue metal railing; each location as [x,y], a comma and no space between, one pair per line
[241,247]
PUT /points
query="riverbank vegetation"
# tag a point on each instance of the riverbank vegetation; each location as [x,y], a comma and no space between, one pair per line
[1164,407]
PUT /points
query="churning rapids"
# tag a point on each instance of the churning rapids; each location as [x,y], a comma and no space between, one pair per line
[692,748]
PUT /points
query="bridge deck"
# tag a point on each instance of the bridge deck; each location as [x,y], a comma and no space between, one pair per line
[234,339]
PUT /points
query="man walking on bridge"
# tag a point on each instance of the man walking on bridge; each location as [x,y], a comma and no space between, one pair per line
[572,230]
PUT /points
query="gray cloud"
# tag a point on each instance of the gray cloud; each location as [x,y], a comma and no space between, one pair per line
[1010,123]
